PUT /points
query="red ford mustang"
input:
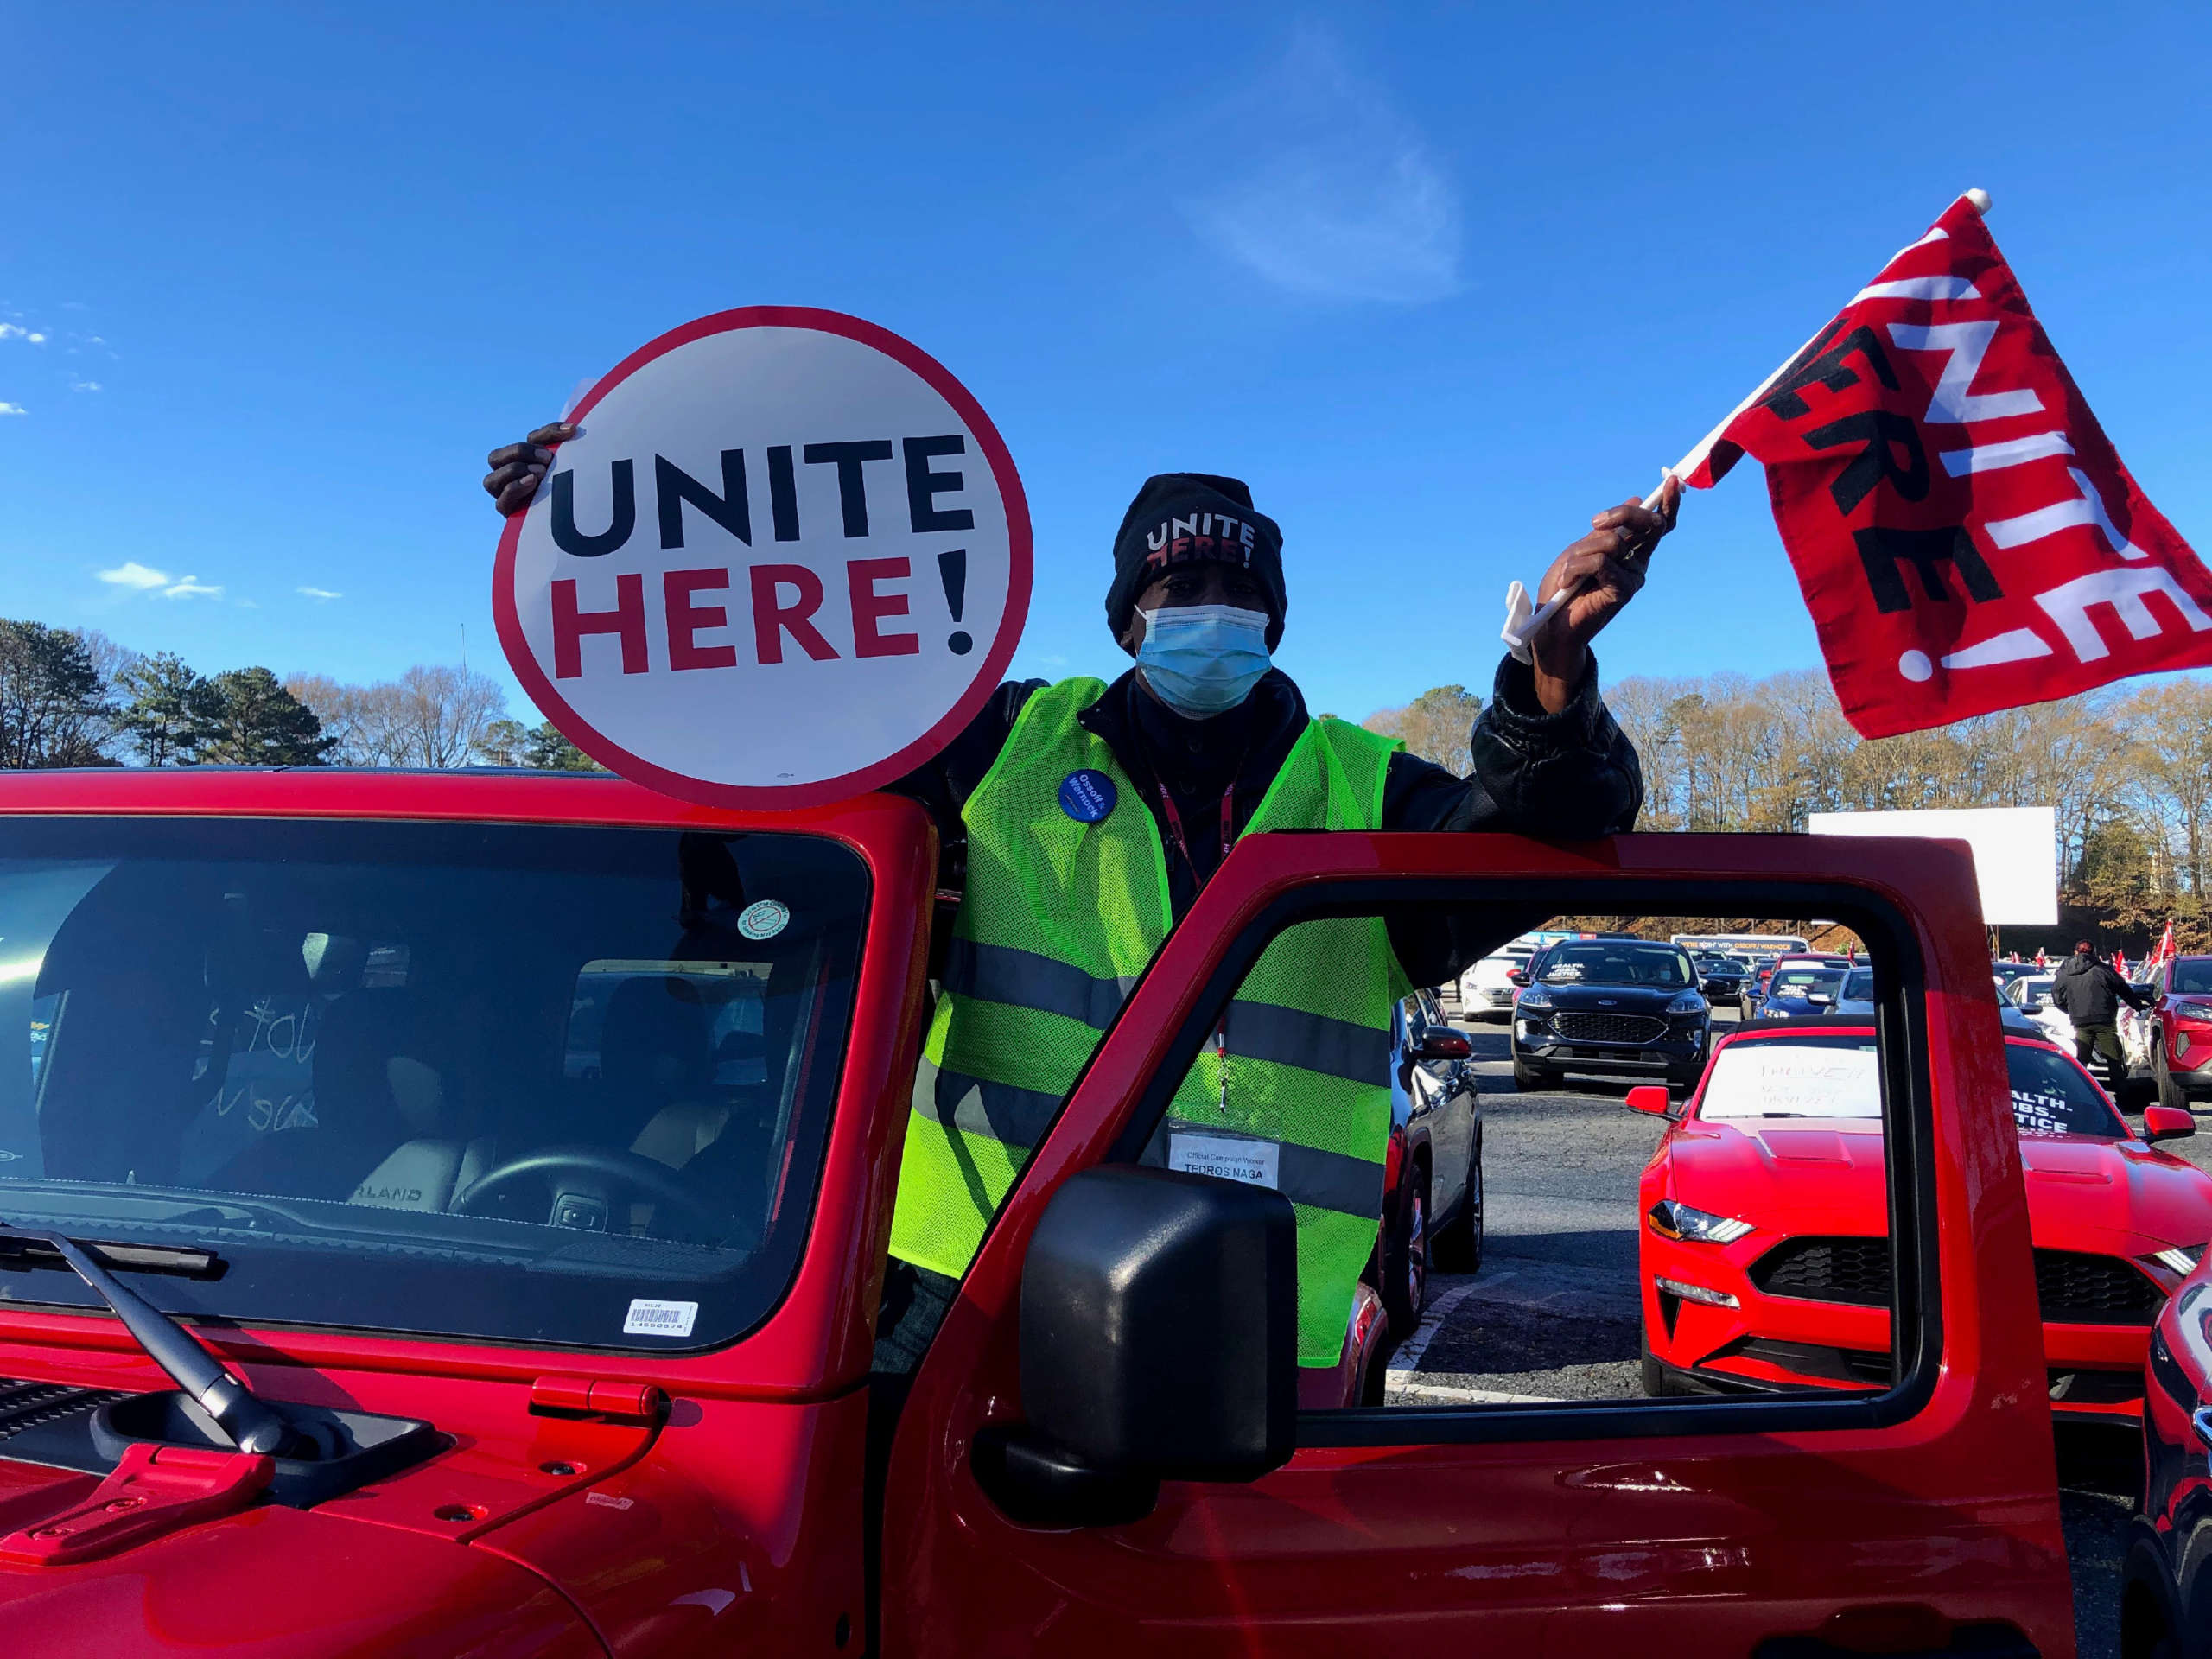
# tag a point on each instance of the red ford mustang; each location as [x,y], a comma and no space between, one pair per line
[1764,1246]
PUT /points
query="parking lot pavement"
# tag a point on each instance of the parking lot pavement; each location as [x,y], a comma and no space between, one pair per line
[1553,1313]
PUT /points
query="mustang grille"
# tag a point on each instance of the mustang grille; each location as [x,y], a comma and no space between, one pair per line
[2079,1289]
[1855,1270]
[1608,1027]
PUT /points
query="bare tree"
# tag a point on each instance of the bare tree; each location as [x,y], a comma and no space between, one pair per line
[1438,725]
[431,716]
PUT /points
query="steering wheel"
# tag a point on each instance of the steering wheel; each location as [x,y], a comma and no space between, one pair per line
[580,1176]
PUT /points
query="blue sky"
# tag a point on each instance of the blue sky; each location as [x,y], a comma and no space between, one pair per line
[1438,281]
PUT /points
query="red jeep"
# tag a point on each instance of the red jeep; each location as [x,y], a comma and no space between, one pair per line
[524,1149]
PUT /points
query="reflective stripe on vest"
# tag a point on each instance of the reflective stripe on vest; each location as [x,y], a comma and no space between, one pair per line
[1059,919]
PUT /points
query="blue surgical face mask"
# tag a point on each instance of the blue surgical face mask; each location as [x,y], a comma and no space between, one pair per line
[1203,660]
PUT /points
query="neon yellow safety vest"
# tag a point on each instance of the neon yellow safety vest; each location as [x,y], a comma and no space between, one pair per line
[1059,919]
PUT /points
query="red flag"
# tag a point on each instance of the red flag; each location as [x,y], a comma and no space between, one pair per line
[2165,953]
[2120,963]
[2042,962]
[1965,535]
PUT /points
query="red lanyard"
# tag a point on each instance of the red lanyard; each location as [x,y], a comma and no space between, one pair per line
[1181,842]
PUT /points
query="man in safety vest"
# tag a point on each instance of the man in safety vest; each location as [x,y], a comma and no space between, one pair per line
[1091,814]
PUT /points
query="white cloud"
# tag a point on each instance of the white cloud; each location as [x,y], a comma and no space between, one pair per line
[84,385]
[132,574]
[1311,179]
[11,331]
[191,587]
[319,593]
[13,409]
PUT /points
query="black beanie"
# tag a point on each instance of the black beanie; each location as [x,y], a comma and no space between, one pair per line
[1194,518]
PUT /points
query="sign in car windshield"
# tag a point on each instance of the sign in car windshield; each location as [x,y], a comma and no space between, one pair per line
[784,559]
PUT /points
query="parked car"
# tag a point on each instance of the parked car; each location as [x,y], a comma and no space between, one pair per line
[1766,1252]
[1856,993]
[1724,979]
[2179,1031]
[2005,972]
[559,1272]
[1612,1008]
[2165,1600]
[1797,959]
[1432,1193]
[1487,989]
[1798,992]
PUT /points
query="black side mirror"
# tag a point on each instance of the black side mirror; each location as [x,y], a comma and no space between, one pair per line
[1437,1044]
[1158,1341]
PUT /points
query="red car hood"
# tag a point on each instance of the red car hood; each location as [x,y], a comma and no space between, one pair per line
[274,1582]
[1813,1175]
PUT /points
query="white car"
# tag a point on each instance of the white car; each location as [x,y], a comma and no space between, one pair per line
[1485,993]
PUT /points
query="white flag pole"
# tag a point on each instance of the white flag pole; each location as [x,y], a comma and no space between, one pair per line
[1522,625]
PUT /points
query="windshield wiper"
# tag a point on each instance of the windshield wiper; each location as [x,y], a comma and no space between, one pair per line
[183,1262]
[251,1423]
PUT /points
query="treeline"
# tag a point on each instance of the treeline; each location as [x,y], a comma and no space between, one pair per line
[74,697]
[2128,773]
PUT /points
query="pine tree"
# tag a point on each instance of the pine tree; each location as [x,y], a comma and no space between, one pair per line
[169,710]
[257,723]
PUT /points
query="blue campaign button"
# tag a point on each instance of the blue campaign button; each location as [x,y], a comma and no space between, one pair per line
[1087,796]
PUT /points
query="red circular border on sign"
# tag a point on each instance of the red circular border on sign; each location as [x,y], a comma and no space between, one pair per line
[1020,558]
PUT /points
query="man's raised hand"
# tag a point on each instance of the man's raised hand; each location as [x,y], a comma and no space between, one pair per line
[517,468]
[1600,572]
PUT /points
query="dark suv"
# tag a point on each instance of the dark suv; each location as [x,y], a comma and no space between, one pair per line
[1614,1008]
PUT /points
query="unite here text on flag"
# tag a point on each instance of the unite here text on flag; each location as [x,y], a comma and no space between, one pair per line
[1964,533]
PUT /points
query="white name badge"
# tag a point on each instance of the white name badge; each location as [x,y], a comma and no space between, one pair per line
[1254,1162]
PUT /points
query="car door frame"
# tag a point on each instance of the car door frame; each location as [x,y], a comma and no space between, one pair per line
[1505,1525]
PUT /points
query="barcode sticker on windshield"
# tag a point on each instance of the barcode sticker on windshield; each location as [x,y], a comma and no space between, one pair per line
[1253,1161]
[660,1318]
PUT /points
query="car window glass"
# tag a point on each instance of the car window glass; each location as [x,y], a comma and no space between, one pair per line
[1858,985]
[492,1081]
[1498,1225]
[2193,978]
[1810,1076]
[2052,1095]
[1607,962]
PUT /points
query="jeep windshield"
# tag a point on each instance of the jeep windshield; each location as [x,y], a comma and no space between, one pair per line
[525,1082]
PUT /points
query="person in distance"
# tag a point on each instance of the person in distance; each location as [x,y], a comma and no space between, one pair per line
[1139,788]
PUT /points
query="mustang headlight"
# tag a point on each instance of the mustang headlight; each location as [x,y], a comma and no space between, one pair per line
[2181,1259]
[1536,997]
[1670,1218]
[1688,1002]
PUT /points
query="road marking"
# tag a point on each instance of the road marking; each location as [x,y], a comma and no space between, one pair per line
[1410,1351]
[1443,1394]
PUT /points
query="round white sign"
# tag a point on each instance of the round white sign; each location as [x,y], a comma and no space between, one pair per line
[784,559]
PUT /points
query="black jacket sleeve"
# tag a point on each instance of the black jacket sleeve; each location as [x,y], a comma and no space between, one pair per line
[1565,777]
[1571,776]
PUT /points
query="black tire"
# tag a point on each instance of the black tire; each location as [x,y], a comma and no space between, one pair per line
[1458,1246]
[1529,1077]
[1405,1259]
[2171,1093]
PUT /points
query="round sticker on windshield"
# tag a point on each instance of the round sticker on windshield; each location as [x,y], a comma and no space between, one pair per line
[764,920]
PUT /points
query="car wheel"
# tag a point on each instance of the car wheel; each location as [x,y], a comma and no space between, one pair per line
[1459,1247]
[1405,1260]
[1528,1076]
[2171,1093]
